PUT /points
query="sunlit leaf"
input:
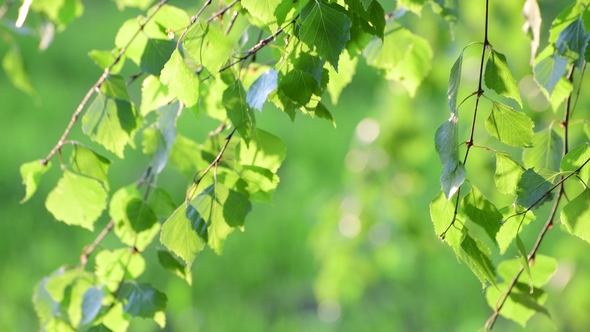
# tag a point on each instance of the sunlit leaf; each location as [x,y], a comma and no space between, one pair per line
[112,267]
[532,189]
[507,174]
[77,200]
[509,126]
[265,150]
[454,81]
[413,5]
[576,216]
[154,94]
[339,80]
[181,80]
[180,236]
[238,110]
[141,4]
[476,256]
[170,263]
[325,27]
[482,212]
[441,214]
[105,59]
[185,156]
[446,145]
[31,174]
[321,111]
[498,77]
[546,152]
[512,225]
[575,158]
[208,46]
[87,162]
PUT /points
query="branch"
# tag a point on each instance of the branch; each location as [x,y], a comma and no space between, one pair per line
[97,85]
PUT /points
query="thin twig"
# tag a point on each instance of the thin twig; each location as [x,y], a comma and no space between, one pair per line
[231,22]
[97,85]
[191,22]
[220,13]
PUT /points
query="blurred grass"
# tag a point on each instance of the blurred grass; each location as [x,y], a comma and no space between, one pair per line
[271,276]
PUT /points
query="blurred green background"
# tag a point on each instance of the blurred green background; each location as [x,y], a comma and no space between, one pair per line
[348,244]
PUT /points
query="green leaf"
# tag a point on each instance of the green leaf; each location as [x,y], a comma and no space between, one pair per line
[512,225]
[68,288]
[546,152]
[404,57]
[15,70]
[441,214]
[116,319]
[179,235]
[507,174]
[219,211]
[105,59]
[45,306]
[31,173]
[260,183]
[141,4]
[163,136]
[208,46]
[185,156]
[499,78]
[299,86]
[115,87]
[576,216]
[238,110]
[569,15]
[574,159]
[180,80]
[413,5]
[524,261]
[542,269]
[210,101]
[562,91]
[265,150]
[87,162]
[170,263]
[321,111]
[339,80]
[154,94]
[77,200]
[156,54]
[141,300]
[532,188]
[482,212]
[161,203]
[111,267]
[572,41]
[270,13]
[111,122]
[261,88]
[476,256]
[509,126]
[59,11]
[135,223]
[549,71]
[91,304]
[326,28]
[445,143]
[454,81]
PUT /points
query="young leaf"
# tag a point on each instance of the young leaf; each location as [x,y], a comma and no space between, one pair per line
[507,174]
[546,151]
[14,68]
[87,162]
[170,263]
[77,200]
[339,80]
[574,159]
[31,173]
[260,183]
[180,236]
[513,224]
[180,80]
[441,214]
[509,126]
[576,216]
[208,46]
[141,300]
[113,266]
[111,122]
[499,78]
[482,212]
[154,94]
[238,110]
[261,88]
[454,81]
[446,141]
[325,27]
[477,257]
[532,189]
[265,150]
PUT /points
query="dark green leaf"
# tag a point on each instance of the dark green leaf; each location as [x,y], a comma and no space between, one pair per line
[299,86]
[180,80]
[141,300]
[238,110]
[161,203]
[321,111]
[77,200]
[140,215]
[446,143]
[573,41]
[499,78]
[115,87]
[546,152]
[180,237]
[482,212]
[31,173]
[156,54]
[207,46]
[549,70]
[576,216]
[326,28]
[532,189]
[509,126]
[507,174]
[87,162]
[477,257]
[170,263]
[261,88]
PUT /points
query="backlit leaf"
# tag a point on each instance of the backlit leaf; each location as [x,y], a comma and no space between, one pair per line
[170,263]
[88,162]
[111,267]
[446,145]
[482,212]
[507,174]
[454,81]
[512,225]
[546,152]
[31,174]
[154,94]
[105,59]
[15,70]
[185,156]
[339,80]
[413,5]
[498,77]
[265,150]
[441,214]
[532,189]
[576,216]
[549,70]
[238,110]
[77,200]
[509,126]
[206,45]
[180,80]
[574,159]
[476,256]
[179,236]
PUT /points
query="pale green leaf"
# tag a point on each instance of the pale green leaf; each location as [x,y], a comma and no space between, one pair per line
[561,92]
[326,28]
[482,212]
[59,11]
[576,158]
[141,4]
[15,70]
[441,214]
[260,183]
[261,88]
[238,110]
[68,289]
[170,263]
[141,300]
[413,5]
[576,216]
[454,81]
[77,200]
[513,224]
[321,111]
[105,59]
[265,150]
[114,86]
[87,162]
[111,267]
[542,269]
[546,152]
[208,46]
[180,236]
[446,143]
[185,156]
[116,319]
[339,80]
[507,174]
[509,126]
[154,94]
[524,261]
[520,305]
[532,189]
[31,174]
[181,80]
[498,77]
